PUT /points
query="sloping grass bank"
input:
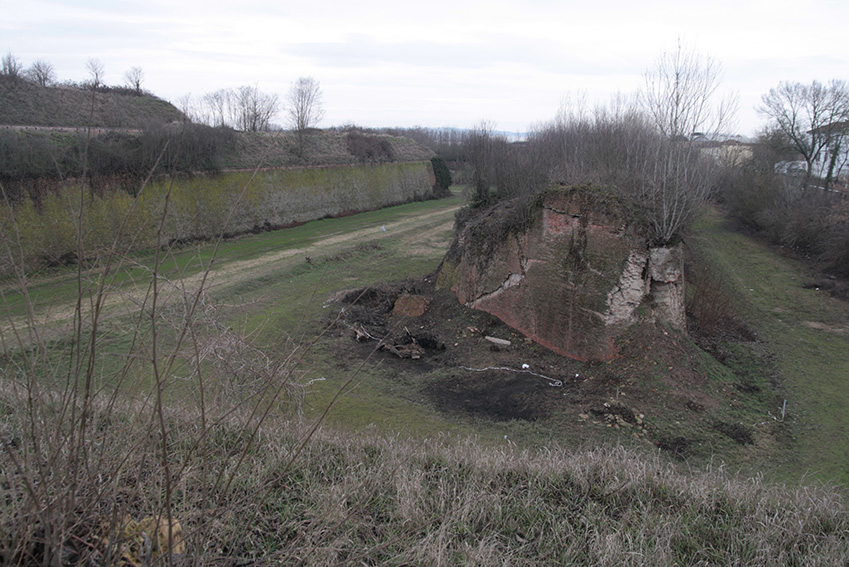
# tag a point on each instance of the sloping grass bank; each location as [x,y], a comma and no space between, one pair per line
[807,331]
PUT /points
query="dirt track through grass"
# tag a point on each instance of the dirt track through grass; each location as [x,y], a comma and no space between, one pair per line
[806,329]
[239,260]
[409,228]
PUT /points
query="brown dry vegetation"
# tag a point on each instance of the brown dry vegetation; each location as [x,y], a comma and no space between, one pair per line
[27,104]
[243,493]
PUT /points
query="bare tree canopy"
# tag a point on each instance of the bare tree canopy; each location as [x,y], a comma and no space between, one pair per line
[679,99]
[246,108]
[96,71]
[41,72]
[647,148]
[256,109]
[679,95]
[219,108]
[479,146]
[304,104]
[134,77]
[815,121]
[10,66]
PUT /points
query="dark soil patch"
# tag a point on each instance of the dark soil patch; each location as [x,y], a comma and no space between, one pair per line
[497,395]
[452,337]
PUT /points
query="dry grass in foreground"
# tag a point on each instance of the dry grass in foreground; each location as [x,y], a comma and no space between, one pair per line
[233,494]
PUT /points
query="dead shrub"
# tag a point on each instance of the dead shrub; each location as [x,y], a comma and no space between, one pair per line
[709,304]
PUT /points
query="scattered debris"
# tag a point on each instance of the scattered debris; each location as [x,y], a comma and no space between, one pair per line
[411,350]
[618,416]
[361,333]
[497,341]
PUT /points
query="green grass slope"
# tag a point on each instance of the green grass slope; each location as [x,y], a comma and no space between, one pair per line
[806,329]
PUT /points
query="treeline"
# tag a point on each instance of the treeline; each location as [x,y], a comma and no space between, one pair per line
[790,184]
[667,180]
[807,217]
[31,160]
[794,189]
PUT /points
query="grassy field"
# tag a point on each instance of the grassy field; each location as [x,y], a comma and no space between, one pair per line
[807,332]
[274,288]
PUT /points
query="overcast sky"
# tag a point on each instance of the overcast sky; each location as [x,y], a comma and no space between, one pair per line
[433,63]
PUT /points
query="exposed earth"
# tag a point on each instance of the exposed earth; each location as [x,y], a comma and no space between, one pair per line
[662,391]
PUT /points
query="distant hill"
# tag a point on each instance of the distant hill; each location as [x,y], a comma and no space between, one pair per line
[23,103]
[43,134]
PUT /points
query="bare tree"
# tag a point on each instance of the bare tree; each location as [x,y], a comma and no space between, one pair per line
[679,98]
[10,66]
[189,108]
[256,109]
[679,94]
[220,108]
[246,108]
[41,72]
[479,146]
[814,119]
[96,71]
[133,78]
[305,106]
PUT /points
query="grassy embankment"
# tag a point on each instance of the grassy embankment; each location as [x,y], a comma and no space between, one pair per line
[807,332]
[28,104]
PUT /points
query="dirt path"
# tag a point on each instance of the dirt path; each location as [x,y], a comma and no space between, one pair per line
[411,229]
[419,232]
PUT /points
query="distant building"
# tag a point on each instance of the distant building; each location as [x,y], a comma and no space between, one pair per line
[730,152]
